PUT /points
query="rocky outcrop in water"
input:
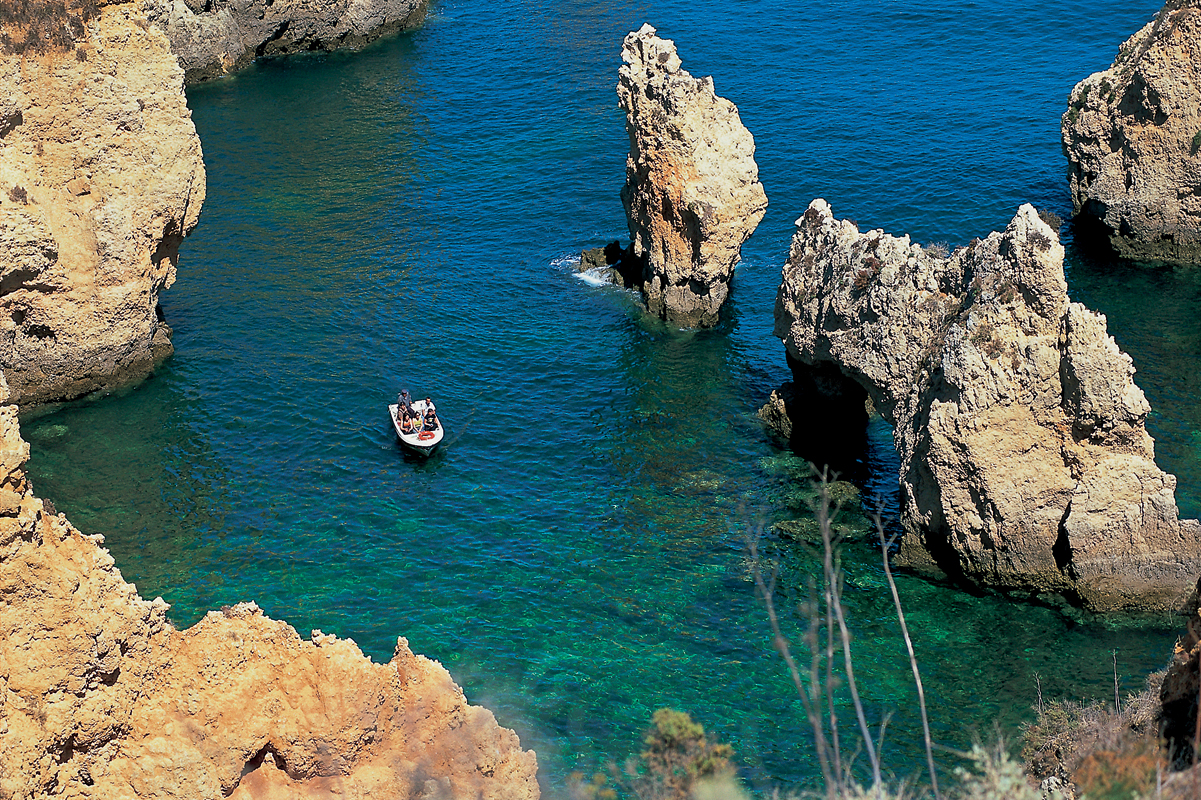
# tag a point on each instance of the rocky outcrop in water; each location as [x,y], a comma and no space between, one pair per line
[692,193]
[1025,462]
[100,696]
[217,37]
[776,411]
[100,179]
[1132,137]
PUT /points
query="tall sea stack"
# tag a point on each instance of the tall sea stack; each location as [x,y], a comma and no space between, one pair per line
[692,193]
[1132,137]
[1025,461]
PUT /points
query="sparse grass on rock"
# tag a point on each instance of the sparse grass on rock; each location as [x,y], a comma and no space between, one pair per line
[40,26]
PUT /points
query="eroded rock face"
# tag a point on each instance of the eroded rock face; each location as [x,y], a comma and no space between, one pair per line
[217,37]
[1132,137]
[100,178]
[692,194]
[1025,461]
[775,412]
[1178,694]
[101,697]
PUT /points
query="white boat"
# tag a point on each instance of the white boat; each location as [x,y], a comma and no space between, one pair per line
[422,442]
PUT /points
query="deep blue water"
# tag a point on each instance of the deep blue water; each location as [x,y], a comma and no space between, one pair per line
[406,216]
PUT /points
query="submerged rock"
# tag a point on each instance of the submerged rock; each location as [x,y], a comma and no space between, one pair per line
[216,37]
[1132,137]
[101,697]
[776,413]
[614,264]
[1025,462]
[101,177]
[692,193]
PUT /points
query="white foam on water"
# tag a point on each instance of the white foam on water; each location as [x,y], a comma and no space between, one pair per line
[569,262]
[594,277]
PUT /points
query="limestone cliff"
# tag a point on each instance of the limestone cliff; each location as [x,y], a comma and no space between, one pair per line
[100,178]
[100,697]
[217,37]
[1132,137]
[692,193]
[1025,461]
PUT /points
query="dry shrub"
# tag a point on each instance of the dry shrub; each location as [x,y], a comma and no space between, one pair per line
[678,755]
[18,195]
[679,763]
[812,217]
[40,26]
[1122,774]
[1053,220]
[1184,785]
[1064,734]
[1041,240]
[863,279]
[1008,292]
[937,250]
[983,337]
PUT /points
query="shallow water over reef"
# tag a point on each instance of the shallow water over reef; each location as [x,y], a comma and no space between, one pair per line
[407,216]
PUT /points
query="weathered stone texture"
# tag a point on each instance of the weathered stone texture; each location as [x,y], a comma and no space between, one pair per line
[692,193]
[100,697]
[774,412]
[100,178]
[1132,137]
[217,37]
[1025,461]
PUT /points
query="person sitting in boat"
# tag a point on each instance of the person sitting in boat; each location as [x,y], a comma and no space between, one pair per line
[405,402]
[406,420]
[431,415]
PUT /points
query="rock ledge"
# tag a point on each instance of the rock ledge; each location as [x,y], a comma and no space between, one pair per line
[212,38]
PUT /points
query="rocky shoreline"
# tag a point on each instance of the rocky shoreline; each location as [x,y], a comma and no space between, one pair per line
[212,38]
[101,696]
[102,174]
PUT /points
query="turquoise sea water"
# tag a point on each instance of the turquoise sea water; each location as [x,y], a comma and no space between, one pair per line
[406,216]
